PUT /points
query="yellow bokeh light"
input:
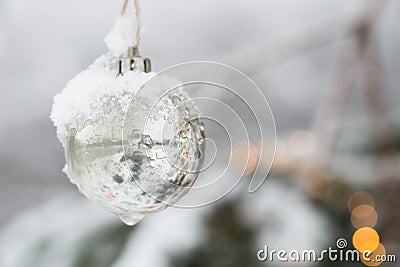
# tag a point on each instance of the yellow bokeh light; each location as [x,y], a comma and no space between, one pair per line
[365,239]
[364,216]
[360,198]
[374,258]
[302,144]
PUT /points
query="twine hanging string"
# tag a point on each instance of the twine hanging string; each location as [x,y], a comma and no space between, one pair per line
[138,23]
[123,10]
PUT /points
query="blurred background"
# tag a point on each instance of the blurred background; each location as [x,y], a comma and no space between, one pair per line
[330,71]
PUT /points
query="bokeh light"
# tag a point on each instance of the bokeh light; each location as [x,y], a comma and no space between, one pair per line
[244,158]
[364,216]
[302,144]
[366,238]
[280,159]
[360,198]
[378,253]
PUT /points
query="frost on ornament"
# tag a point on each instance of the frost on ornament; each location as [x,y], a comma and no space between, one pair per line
[133,143]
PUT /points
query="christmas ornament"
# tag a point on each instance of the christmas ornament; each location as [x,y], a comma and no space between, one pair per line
[133,140]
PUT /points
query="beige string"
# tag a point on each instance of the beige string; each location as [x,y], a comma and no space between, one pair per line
[124,7]
[138,23]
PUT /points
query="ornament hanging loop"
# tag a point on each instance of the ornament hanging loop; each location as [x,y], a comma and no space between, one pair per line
[133,61]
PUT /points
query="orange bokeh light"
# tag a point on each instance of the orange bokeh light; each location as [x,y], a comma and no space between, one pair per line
[364,216]
[360,198]
[374,258]
[365,239]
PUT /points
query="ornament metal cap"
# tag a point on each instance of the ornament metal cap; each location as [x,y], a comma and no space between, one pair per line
[133,62]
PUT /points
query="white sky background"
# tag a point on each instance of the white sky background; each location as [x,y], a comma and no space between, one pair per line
[44,43]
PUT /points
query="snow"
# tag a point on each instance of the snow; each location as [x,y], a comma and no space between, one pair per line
[59,226]
[78,100]
[121,36]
